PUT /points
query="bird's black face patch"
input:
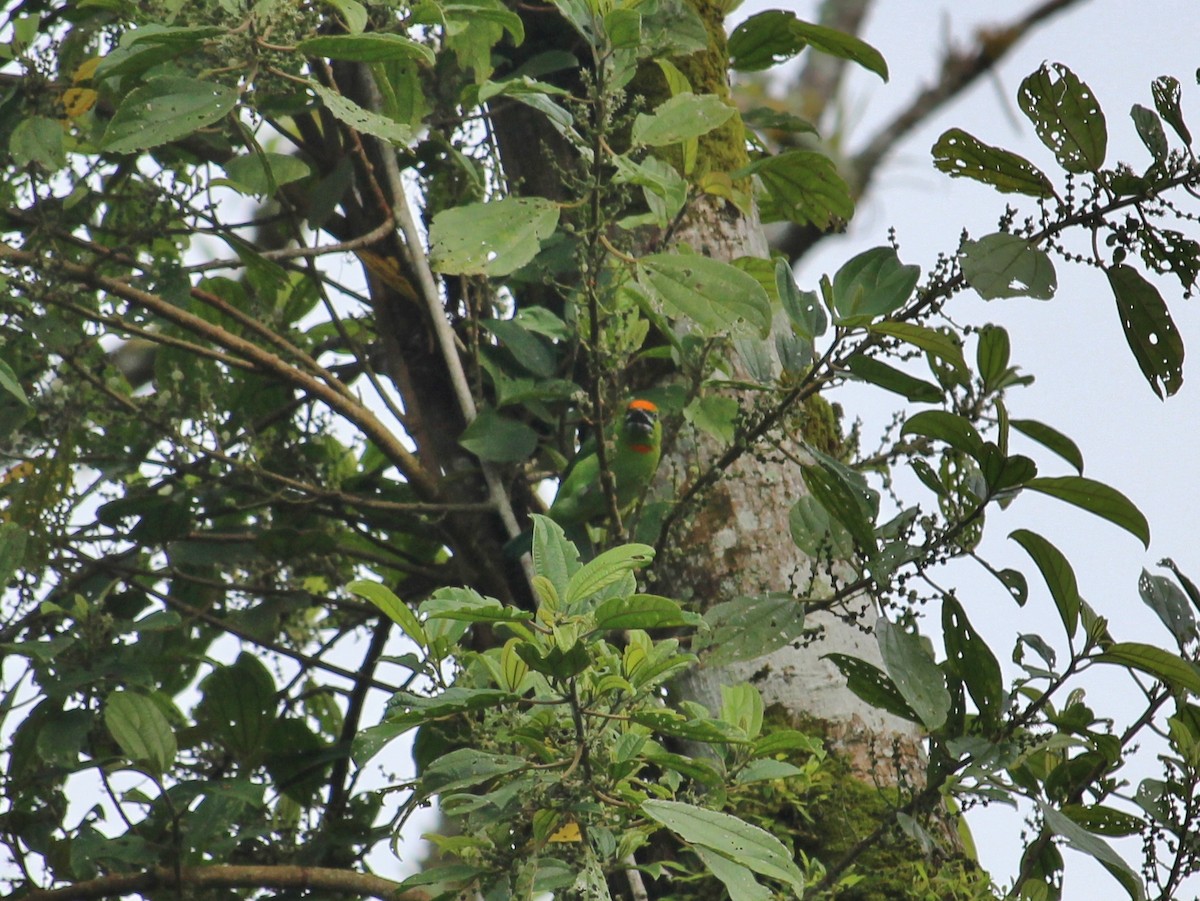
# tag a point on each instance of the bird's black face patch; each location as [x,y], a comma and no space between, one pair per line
[640,418]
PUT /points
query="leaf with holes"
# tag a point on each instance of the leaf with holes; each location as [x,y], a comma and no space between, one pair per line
[494,238]
[1003,265]
[1165,91]
[370,47]
[1166,250]
[1066,116]
[801,186]
[717,297]
[1150,130]
[913,671]
[166,109]
[962,155]
[748,627]
[871,684]
[973,661]
[1149,329]
[361,119]
[681,118]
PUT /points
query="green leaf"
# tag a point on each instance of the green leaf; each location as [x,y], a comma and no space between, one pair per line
[970,658]
[871,684]
[1003,265]
[889,378]
[11,385]
[943,346]
[681,118]
[1098,498]
[962,155]
[1066,116]
[715,414]
[1052,439]
[803,308]
[498,439]
[748,627]
[39,140]
[844,501]
[1167,600]
[642,611]
[353,13]
[941,425]
[166,109]
[239,706]
[395,609]
[816,533]
[360,119]
[608,568]
[148,45]
[141,730]
[802,186]
[992,356]
[766,771]
[1059,576]
[467,768]
[553,555]
[1175,671]
[730,837]
[872,285]
[1150,130]
[494,238]
[12,549]
[916,676]
[774,36]
[1082,840]
[716,296]
[1149,329]
[261,173]
[371,47]
[739,881]
[1165,91]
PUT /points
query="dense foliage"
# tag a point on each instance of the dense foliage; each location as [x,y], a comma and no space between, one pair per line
[302,303]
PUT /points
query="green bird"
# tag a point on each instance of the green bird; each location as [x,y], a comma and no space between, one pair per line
[633,459]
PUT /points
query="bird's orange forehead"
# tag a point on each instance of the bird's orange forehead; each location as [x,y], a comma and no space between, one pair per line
[641,404]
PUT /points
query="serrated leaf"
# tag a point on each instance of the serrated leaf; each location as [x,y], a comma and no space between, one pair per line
[166,109]
[394,608]
[1052,439]
[1098,498]
[553,555]
[494,238]
[748,627]
[730,837]
[1066,116]
[801,186]
[681,118]
[1004,265]
[140,729]
[716,296]
[1058,574]
[370,47]
[914,673]
[962,155]
[1149,329]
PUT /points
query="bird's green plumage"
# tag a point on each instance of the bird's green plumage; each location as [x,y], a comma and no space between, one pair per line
[633,456]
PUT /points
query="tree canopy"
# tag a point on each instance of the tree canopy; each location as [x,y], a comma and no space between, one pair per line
[307,307]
